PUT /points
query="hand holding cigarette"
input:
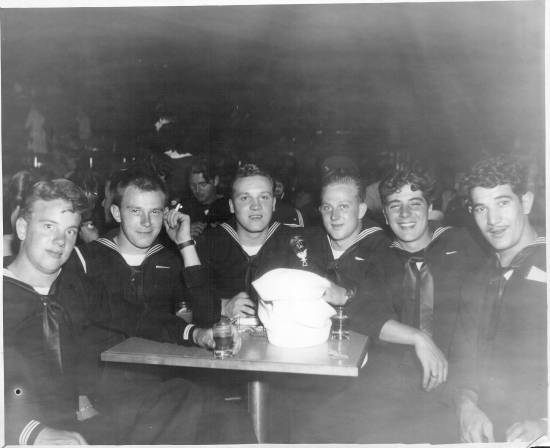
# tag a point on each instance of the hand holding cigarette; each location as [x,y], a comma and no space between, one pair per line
[177,224]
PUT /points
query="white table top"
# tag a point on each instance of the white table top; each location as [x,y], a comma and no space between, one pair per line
[336,358]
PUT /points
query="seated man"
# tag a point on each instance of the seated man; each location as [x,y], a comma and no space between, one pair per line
[284,212]
[430,263]
[143,284]
[220,269]
[142,278]
[501,342]
[425,274]
[207,207]
[50,346]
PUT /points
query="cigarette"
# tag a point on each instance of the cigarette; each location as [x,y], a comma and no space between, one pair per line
[178,207]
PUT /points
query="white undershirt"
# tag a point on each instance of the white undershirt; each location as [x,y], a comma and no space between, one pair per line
[133,259]
[251,250]
[336,253]
[42,290]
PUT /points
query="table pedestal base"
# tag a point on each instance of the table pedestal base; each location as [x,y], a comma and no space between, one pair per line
[258,408]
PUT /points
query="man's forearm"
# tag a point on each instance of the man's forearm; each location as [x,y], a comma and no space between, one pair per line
[398,333]
[190,256]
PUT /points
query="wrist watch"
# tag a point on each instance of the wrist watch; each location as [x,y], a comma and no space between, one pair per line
[180,246]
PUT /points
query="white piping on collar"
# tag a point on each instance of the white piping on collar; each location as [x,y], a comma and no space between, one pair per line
[233,233]
[539,241]
[360,236]
[300,220]
[36,289]
[7,273]
[27,431]
[112,245]
[437,233]
[82,260]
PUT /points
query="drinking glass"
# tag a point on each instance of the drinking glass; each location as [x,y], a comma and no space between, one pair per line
[340,324]
[223,339]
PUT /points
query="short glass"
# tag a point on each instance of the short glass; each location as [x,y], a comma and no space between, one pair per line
[223,339]
[340,324]
[185,312]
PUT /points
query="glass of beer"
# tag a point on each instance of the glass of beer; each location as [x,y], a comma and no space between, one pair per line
[223,338]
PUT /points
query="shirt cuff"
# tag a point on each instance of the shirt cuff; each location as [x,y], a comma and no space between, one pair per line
[188,334]
[30,432]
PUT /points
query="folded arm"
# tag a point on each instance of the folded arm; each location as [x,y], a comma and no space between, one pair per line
[433,361]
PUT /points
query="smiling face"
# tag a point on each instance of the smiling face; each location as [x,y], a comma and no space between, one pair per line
[406,212]
[47,236]
[140,217]
[342,211]
[502,218]
[253,204]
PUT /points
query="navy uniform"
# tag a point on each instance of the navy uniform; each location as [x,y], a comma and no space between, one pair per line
[500,350]
[226,269]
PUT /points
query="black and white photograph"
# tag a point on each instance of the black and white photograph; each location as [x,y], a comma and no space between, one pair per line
[241,223]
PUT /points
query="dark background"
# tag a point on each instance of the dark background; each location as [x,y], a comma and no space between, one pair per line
[443,81]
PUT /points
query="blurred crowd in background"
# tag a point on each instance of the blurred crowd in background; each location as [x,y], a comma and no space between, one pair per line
[169,150]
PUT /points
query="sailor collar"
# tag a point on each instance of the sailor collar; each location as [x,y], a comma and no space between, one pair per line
[396,244]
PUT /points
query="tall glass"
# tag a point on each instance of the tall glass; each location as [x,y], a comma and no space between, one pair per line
[223,339]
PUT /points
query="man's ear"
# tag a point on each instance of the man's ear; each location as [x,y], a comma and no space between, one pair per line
[216,180]
[527,200]
[21,226]
[385,216]
[115,211]
[274,202]
[231,207]
[15,214]
[362,210]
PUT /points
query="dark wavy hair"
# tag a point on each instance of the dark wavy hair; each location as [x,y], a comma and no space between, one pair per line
[418,178]
[139,178]
[205,166]
[50,190]
[499,170]
[342,176]
[249,170]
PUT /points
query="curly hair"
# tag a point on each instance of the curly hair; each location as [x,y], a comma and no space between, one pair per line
[499,170]
[249,170]
[50,190]
[343,176]
[138,177]
[418,178]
